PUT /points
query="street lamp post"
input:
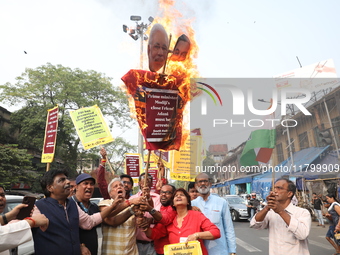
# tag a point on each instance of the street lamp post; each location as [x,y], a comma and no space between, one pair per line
[136,33]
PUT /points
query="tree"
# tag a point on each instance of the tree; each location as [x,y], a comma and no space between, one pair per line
[43,88]
[116,151]
[15,166]
[115,154]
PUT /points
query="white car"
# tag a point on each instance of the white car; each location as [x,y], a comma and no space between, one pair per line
[96,200]
[11,202]
[238,207]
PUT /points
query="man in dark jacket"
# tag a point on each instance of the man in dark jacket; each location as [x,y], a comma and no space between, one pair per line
[65,218]
[83,192]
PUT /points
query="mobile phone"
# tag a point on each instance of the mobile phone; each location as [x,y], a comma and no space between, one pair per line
[26,211]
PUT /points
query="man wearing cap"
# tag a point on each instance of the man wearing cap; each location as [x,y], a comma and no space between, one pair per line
[83,192]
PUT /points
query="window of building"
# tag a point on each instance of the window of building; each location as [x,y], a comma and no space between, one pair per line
[279,152]
[303,140]
[317,136]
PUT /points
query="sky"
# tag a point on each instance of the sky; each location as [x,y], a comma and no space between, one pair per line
[236,39]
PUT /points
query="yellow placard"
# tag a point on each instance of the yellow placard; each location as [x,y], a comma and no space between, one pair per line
[186,161]
[91,126]
[192,248]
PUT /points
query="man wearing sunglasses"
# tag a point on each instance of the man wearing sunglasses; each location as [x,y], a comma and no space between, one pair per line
[288,225]
[216,209]
[164,216]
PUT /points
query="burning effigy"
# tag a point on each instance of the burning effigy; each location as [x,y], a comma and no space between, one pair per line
[160,98]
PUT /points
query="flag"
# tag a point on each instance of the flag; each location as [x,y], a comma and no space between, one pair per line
[196,131]
[260,144]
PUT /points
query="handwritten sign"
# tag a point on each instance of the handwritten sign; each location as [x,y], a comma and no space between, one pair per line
[193,248]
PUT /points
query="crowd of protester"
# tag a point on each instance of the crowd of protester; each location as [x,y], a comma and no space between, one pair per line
[65,221]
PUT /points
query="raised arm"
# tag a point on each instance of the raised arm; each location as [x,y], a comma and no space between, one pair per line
[102,184]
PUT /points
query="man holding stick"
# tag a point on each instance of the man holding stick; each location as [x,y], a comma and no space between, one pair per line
[65,218]
[146,245]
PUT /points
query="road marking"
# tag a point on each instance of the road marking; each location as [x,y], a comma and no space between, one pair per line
[324,246]
[247,246]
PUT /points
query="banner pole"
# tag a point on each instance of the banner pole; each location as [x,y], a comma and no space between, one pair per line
[166,61]
[159,175]
[111,169]
[48,167]
[147,169]
[107,161]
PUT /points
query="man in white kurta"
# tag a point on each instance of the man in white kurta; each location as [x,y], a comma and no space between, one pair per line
[14,234]
[288,225]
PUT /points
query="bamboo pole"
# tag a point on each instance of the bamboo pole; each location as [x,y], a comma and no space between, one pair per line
[147,169]
[166,61]
[108,162]
[159,175]
[111,169]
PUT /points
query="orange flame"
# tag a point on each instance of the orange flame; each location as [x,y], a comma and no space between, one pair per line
[176,24]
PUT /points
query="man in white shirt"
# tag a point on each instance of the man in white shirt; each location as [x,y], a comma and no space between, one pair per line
[288,225]
[13,232]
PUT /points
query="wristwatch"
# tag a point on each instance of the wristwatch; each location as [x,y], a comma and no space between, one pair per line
[153,211]
[131,210]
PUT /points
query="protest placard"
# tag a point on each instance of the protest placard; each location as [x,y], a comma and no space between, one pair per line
[91,126]
[132,164]
[192,248]
[50,136]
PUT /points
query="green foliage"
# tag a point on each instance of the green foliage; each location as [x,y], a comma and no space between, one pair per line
[116,151]
[15,166]
[45,87]
[30,122]
[179,184]
[5,137]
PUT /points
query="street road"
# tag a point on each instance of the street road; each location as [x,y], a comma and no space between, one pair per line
[255,242]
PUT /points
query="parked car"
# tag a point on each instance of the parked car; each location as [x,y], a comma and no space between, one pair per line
[96,200]
[244,196]
[12,201]
[238,207]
